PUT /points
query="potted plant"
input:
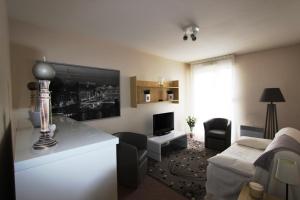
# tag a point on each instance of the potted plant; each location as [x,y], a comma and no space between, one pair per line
[191,121]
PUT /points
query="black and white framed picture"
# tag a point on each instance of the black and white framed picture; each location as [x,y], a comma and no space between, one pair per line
[85,93]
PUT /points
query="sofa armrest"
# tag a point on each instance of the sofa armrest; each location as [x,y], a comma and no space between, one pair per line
[127,163]
[127,154]
[228,132]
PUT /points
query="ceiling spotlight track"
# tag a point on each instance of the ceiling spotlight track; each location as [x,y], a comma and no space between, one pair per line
[191,31]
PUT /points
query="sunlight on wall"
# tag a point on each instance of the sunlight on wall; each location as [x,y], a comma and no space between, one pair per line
[212,92]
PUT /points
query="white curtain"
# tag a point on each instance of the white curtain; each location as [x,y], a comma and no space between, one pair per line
[212,93]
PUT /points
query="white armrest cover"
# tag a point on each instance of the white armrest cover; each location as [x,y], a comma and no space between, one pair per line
[292,132]
[256,143]
[235,165]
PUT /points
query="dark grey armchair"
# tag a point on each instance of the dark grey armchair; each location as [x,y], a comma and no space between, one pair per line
[131,158]
[217,133]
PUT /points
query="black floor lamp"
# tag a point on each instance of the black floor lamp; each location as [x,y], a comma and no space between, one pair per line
[271,95]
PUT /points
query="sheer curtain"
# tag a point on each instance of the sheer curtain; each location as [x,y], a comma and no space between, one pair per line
[212,92]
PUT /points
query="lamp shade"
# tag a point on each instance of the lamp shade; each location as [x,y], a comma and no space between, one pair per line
[43,71]
[272,95]
[287,172]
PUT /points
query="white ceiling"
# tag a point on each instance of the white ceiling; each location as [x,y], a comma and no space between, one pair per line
[155,26]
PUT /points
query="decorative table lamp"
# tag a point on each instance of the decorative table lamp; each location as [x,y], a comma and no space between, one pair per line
[271,95]
[287,172]
[44,72]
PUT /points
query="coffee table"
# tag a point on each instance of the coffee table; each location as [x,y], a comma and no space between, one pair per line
[155,143]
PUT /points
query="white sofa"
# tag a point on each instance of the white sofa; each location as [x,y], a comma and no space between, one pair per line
[229,171]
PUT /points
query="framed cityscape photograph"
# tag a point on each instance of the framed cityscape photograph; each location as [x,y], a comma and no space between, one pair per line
[85,93]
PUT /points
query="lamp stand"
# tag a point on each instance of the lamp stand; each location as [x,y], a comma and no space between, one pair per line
[271,126]
[45,141]
[286,191]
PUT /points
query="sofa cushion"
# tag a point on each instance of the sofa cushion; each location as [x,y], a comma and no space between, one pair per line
[216,133]
[257,143]
[235,165]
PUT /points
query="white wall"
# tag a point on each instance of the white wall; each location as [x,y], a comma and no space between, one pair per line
[29,43]
[6,159]
[254,71]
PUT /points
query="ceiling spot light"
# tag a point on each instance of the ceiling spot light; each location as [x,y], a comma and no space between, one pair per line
[192,32]
[194,38]
[185,37]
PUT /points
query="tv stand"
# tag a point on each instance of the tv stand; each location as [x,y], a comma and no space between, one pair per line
[162,134]
[155,143]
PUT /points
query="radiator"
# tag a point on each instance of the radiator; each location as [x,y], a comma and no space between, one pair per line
[251,131]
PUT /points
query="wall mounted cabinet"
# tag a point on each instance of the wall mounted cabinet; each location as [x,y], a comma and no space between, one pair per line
[158,92]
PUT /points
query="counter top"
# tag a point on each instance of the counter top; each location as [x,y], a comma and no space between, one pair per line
[73,138]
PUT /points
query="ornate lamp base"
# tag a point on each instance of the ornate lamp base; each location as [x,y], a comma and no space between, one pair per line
[44,142]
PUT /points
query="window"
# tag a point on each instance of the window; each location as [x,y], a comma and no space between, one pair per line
[212,92]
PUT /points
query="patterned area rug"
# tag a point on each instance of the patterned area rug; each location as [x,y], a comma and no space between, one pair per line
[183,170]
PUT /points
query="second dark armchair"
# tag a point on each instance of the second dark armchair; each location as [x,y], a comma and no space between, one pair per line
[217,133]
[131,158]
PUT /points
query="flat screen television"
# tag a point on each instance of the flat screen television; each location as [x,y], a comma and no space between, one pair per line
[163,123]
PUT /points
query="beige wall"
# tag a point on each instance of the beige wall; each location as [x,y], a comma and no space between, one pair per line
[29,43]
[6,158]
[272,68]
[5,70]
[254,72]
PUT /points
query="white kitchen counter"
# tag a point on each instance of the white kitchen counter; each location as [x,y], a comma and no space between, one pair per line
[83,161]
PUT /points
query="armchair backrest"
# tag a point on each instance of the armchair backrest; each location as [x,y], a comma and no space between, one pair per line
[135,139]
[220,123]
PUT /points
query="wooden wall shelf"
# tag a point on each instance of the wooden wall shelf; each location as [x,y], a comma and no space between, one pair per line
[158,92]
